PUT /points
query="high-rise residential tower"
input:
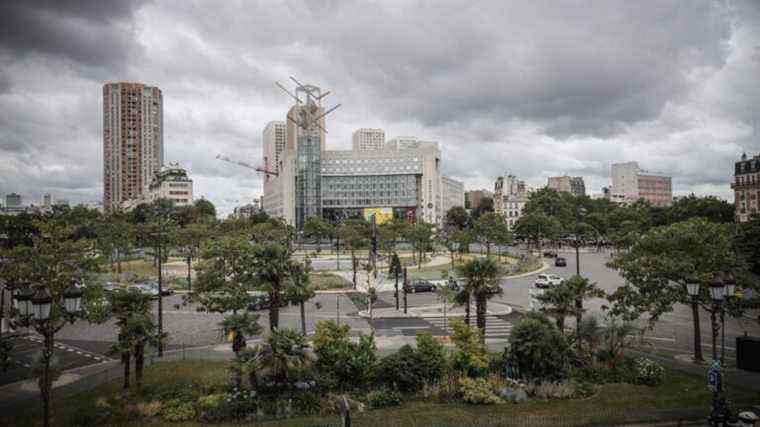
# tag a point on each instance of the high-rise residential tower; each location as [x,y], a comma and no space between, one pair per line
[368,139]
[274,145]
[133,141]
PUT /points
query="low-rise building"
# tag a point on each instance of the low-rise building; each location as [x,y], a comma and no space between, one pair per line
[474,198]
[746,187]
[568,184]
[172,183]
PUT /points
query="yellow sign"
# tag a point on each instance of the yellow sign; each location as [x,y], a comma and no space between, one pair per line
[231,335]
[382,215]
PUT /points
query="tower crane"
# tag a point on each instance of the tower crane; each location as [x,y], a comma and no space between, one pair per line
[247,165]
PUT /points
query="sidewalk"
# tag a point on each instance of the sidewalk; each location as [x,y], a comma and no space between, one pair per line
[433,310]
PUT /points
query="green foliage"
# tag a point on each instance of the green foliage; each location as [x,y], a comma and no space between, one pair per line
[538,349]
[401,370]
[482,282]
[277,363]
[458,217]
[432,358]
[477,391]
[6,348]
[549,390]
[383,398]
[648,372]
[307,402]
[177,410]
[471,355]
[342,364]
[212,408]
[491,228]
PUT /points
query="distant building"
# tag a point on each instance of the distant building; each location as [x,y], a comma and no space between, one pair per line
[452,192]
[634,184]
[513,207]
[13,201]
[47,201]
[274,145]
[133,141]
[172,183]
[568,184]
[368,140]
[247,211]
[746,187]
[509,198]
[474,198]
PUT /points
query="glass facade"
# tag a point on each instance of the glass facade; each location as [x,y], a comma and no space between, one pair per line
[360,191]
[308,179]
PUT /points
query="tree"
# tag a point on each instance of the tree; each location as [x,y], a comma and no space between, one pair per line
[657,265]
[581,289]
[341,363]
[458,218]
[538,226]
[279,361]
[691,206]
[299,288]
[558,302]
[317,229]
[491,228]
[538,349]
[354,233]
[206,210]
[189,239]
[272,268]
[131,309]
[485,206]
[420,237]
[482,279]
[471,355]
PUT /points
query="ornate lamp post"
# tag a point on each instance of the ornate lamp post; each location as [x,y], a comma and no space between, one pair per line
[692,288]
[717,292]
[729,292]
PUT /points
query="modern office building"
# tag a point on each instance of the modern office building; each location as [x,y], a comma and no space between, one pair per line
[172,183]
[133,141]
[13,201]
[746,187]
[397,180]
[274,144]
[634,183]
[366,139]
[452,192]
[568,184]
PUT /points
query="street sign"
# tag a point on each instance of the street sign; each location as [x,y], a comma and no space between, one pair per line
[714,379]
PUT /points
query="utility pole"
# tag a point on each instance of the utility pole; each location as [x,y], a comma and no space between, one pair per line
[405,288]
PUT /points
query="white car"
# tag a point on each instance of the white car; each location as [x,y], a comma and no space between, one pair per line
[547,280]
[144,289]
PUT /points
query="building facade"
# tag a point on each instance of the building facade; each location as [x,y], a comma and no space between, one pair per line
[513,208]
[172,183]
[746,187]
[452,194]
[366,139]
[568,184]
[13,201]
[400,180]
[631,183]
[474,198]
[133,141]
[273,140]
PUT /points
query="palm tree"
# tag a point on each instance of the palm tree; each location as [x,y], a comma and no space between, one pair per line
[558,302]
[280,360]
[582,289]
[272,266]
[299,289]
[482,279]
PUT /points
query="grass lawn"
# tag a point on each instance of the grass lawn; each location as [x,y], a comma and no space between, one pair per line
[322,281]
[680,396]
[434,272]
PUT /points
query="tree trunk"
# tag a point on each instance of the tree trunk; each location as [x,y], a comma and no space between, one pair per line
[139,363]
[303,318]
[578,317]
[125,360]
[189,269]
[467,311]
[480,309]
[354,263]
[274,310]
[488,250]
[45,380]
[561,323]
[697,333]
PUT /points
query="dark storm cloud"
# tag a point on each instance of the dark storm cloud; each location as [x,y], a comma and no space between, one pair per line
[95,34]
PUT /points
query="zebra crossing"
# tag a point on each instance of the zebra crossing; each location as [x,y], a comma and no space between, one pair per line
[496,327]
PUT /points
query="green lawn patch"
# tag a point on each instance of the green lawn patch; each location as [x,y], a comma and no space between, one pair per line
[323,281]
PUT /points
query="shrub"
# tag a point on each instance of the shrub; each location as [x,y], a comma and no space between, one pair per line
[342,364]
[177,410]
[211,407]
[402,370]
[477,391]
[432,358]
[331,403]
[538,349]
[383,398]
[648,372]
[471,356]
[306,403]
[552,390]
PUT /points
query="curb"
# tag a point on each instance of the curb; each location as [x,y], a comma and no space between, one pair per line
[365,315]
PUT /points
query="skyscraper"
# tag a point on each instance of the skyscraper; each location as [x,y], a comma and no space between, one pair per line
[133,141]
[368,139]
[274,145]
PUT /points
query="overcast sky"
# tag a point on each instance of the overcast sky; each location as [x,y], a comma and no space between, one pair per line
[532,88]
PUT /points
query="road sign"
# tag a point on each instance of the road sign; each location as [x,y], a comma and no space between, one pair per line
[714,379]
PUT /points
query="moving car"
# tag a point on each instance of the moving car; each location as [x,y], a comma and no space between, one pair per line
[560,262]
[420,286]
[550,254]
[547,280]
[260,301]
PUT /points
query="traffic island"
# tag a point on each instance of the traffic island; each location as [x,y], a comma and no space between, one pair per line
[433,311]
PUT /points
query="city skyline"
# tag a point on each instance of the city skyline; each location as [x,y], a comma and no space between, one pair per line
[683,100]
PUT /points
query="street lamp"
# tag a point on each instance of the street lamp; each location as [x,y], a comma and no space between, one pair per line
[692,288]
[23,300]
[72,298]
[42,302]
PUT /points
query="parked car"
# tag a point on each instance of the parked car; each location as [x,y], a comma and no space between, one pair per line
[560,262]
[260,301]
[550,254]
[110,286]
[420,286]
[144,289]
[547,280]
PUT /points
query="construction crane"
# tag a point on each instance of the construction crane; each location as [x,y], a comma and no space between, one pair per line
[262,169]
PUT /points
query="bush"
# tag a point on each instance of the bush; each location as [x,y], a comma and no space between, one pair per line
[342,364]
[383,398]
[432,357]
[177,410]
[552,390]
[471,356]
[331,402]
[538,349]
[477,391]
[306,403]
[648,372]
[402,370]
